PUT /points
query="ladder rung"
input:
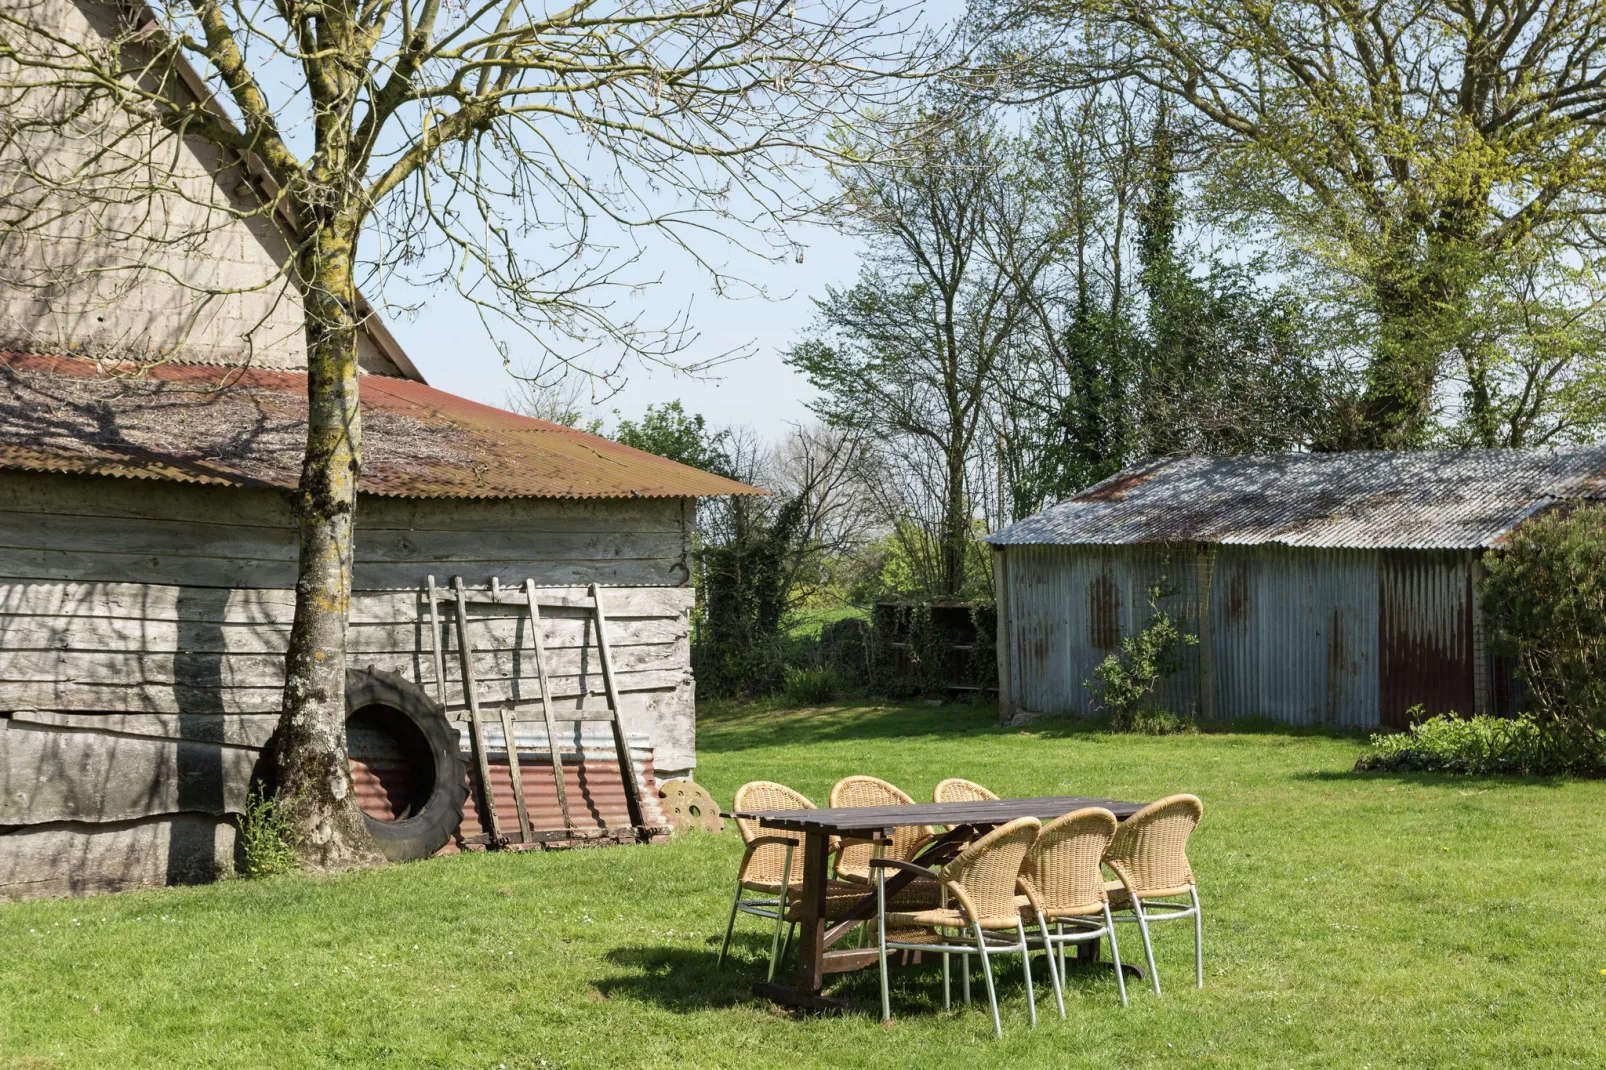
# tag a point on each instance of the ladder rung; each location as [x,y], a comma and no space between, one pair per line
[511,597]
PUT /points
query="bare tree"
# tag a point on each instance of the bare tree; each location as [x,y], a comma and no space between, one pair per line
[907,355]
[503,148]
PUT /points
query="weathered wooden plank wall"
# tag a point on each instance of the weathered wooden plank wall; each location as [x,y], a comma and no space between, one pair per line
[143,626]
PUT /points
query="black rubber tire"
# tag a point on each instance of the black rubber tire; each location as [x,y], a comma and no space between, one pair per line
[428,830]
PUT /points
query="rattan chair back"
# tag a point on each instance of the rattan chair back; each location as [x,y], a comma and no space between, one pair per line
[854,861]
[766,863]
[1150,850]
[987,872]
[956,789]
[1063,865]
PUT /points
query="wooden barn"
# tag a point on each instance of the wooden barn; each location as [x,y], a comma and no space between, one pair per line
[152,418]
[147,561]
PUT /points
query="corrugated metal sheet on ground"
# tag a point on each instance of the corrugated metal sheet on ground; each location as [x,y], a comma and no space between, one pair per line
[1445,499]
[197,423]
[383,780]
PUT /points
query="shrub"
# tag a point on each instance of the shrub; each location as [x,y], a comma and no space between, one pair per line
[1131,676]
[807,686]
[1545,596]
[1153,722]
[1484,745]
[268,843]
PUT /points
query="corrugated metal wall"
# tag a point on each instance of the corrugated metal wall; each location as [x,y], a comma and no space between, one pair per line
[1348,638]
[1296,634]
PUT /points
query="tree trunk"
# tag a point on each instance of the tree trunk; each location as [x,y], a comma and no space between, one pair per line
[314,775]
[956,525]
[1421,298]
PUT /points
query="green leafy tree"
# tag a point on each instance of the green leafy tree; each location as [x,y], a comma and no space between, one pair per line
[669,431]
[1408,154]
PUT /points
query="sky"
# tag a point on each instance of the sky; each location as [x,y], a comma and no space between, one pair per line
[447,342]
[455,353]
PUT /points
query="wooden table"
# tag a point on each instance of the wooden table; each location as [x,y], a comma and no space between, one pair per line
[965,821]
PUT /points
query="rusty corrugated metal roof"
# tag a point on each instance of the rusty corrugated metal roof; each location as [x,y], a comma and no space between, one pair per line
[1446,499]
[247,427]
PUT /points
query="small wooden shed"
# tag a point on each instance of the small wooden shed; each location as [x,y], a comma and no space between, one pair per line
[147,566]
[1330,588]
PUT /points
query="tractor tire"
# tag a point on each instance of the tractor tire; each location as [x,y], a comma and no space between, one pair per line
[407,764]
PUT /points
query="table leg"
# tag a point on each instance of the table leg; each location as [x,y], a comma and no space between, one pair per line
[811,938]
[811,931]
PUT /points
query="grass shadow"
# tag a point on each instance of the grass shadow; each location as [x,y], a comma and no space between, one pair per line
[735,728]
[1434,780]
[684,980]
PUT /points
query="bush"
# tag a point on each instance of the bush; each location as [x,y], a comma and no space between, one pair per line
[1131,676]
[1484,745]
[807,686]
[1545,596]
[1153,722]
[268,843]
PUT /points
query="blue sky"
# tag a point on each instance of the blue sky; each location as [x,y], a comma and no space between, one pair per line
[453,350]
[455,353]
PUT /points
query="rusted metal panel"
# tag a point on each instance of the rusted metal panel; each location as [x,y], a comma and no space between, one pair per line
[182,422]
[1425,634]
[1295,635]
[385,789]
[1463,499]
[1071,606]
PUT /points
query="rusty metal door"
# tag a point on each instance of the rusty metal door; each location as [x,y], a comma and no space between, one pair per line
[1425,606]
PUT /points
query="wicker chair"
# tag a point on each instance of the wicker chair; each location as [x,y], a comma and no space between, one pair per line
[1062,884]
[853,856]
[958,790]
[773,866]
[981,880]
[1149,856]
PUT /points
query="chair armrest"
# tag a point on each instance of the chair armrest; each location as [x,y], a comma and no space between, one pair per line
[770,841]
[898,863]
[965,904]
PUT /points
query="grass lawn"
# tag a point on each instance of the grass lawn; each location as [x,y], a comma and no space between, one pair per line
[809,623]
[1352,920]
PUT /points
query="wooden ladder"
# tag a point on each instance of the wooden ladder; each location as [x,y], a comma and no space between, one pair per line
[460,598]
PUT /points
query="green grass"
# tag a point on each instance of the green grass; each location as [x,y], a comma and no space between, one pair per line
[1352,920]
[808,623]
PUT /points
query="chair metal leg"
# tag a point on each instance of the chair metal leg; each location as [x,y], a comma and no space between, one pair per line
[947,983]
[965,981]
[730,925]
[1115,953]
[987,974]
[1026,964]
[780,913]
[1198,938]
[786,941]
[1148,945]
[881,942]
[1056,966]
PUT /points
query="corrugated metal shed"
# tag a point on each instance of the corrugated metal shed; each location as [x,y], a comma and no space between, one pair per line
[1433,499]
[247,427]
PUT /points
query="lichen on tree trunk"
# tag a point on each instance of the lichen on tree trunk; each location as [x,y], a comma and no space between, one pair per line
[314,775]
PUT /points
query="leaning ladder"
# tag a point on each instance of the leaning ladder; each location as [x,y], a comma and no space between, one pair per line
[459,598]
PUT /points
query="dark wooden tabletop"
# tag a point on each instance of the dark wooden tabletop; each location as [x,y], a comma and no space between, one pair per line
[860,820]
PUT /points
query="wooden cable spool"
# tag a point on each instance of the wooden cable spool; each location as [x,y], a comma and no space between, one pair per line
[688,805]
